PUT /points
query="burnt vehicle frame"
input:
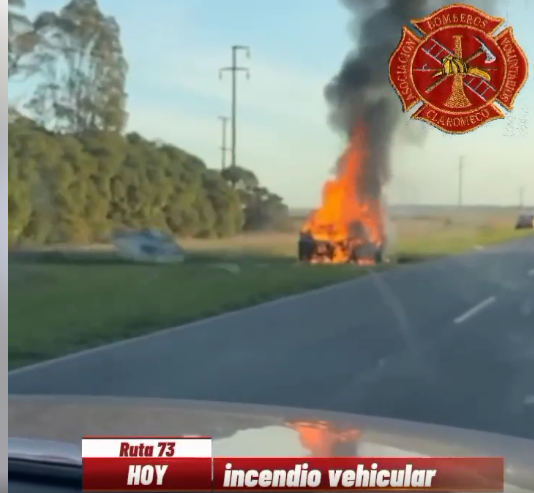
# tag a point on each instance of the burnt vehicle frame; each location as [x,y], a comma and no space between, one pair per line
[311,249]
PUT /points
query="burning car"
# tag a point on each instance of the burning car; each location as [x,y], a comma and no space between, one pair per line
[349,225]
[356,248]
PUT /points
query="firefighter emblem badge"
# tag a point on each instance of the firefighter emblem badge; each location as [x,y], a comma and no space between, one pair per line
[460,68]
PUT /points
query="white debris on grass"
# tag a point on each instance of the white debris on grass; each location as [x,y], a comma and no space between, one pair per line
[232,268]
[147,245]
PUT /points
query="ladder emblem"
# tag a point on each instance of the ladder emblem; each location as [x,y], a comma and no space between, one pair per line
[437,51]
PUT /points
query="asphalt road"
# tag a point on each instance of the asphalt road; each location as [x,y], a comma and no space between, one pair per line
[449,342]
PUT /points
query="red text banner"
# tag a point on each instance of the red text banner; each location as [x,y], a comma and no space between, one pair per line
[147,474]
[186,464]
[337,474]
[147,463]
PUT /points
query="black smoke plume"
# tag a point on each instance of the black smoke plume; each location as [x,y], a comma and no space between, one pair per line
[361,93]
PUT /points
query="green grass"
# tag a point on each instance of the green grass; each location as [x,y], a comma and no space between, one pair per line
[60,305]
[456,239]
[456,242]
[63,303]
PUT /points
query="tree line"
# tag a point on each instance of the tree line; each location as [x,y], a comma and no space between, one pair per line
[75,175]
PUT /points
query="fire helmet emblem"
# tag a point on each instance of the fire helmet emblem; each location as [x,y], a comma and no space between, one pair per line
[460,69]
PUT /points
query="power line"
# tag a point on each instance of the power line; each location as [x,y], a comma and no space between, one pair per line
[234,69]
[461,167]
[522,197]
[224,149]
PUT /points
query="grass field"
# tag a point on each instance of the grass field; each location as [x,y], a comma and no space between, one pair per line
[61,303]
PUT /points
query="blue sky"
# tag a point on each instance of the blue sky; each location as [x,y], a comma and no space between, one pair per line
[175,48]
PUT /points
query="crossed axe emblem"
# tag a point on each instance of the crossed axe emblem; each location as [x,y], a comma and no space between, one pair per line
[453,64]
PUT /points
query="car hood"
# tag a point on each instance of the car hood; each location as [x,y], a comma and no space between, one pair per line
[245,430]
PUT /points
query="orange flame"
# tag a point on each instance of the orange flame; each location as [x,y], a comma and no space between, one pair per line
[321,439]
[346,219]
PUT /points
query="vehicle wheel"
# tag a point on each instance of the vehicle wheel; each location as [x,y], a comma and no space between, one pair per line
[379,258]
[301,251]
[305,251]
[331,252]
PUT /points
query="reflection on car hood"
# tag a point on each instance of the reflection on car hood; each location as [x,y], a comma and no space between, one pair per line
[244,430]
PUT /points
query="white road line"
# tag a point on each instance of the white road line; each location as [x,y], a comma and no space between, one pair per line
[530,273]
[473,311]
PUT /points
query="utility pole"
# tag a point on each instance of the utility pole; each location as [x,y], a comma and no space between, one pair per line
[224,149]
[521,197]
[461,167]
[234,69]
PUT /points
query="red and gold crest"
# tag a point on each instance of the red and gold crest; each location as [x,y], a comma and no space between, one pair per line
[460,68]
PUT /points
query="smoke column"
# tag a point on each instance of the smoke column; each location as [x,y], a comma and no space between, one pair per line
[361,93]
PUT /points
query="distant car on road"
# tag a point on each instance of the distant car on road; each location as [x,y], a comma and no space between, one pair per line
[525,221]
